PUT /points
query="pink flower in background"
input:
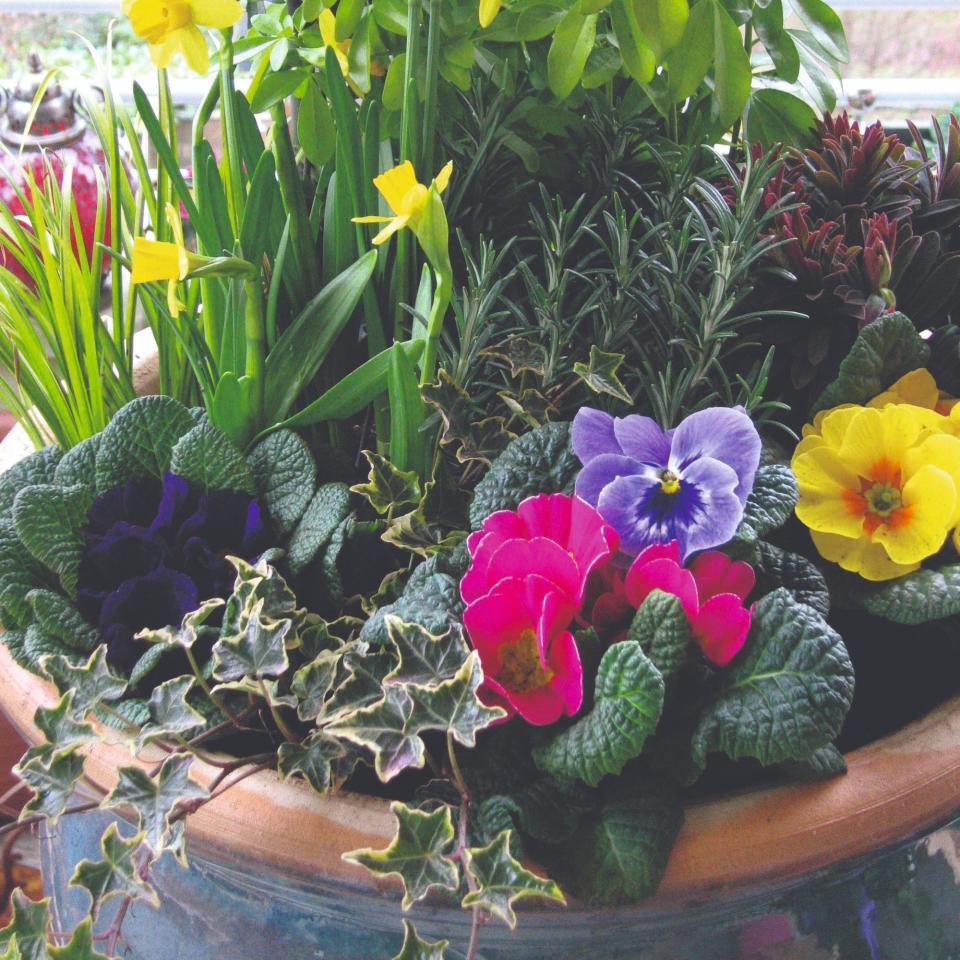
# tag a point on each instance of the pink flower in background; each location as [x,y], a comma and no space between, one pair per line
[530,660]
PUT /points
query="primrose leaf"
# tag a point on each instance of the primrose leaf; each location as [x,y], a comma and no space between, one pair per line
[770,504]
[139,440]
[628,702]
[312,759]
[388,489]
[453,705]
[91,684]
[621,852]
[27,927]
[662,629]
[323,515]
[501,880]
[919,597]
[158,802]
[78,465]
[786,694]
[541,461]
[600,374]
[418,854]
[36,468]
[188,632]
[388,730]
[60,728]
[416,949]
[821,765]
[53,783]
[312,682]
[208,458]
[285,475]
[48,521]
[80,946]
[431,599]
[20,573]
[424,657]
[58,617]
[776,567]
[259,650]
[117,874]
[882,353]
[170,714]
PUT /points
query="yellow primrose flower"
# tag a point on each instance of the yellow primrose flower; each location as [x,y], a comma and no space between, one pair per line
[880,489]
[172,26]
[155,260]
[406,197]
[488,11]
[918,388]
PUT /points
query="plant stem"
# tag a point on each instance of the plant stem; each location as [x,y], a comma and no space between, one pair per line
[40,817]
[441,300]
[748,46]
[275,713]
[255,338]
[205,687]
[456,775]
[231,141]
[430,91]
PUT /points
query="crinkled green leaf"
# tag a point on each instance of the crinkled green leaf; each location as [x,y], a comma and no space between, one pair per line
[310,759]
[53,783]
[57,616]
[883,352]
[416,949]
[157,801]
[600,374]
[776,567]
[919,597]
[424,658]
[786,694]
[48,521]
[79,464]
[20,573]
[91,683]
[117,874]
[453,705]
[258,651]
[285,475]
[388,489]
[28,926]
[540,461]
[432,601]
[824,763]
[627,706]
[207,457]
[139,440]
[36,468]
[418,854]
[170,714]
[501,880]
[37,644]
[312,682]
[325,512]
[662,629]
[621,852]
[770,504]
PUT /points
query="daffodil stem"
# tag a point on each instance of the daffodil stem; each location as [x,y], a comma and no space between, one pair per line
[231,141]
[408,127]
[430,93]
[256,344]
[441,300]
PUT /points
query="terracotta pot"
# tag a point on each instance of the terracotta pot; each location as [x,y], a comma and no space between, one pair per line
[267,875]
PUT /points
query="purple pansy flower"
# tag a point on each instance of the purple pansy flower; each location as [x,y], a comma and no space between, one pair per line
[155,550]
[653,486]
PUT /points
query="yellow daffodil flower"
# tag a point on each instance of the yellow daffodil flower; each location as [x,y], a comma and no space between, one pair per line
[879,488]
[155,260]
[488,11]
[919,389]
[328,33]
[406,198]
[172,27]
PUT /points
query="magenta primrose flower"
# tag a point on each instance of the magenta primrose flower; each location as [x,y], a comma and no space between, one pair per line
[712,592]
[653,486]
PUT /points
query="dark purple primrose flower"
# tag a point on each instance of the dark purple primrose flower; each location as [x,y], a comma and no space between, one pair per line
[653,486]
[155,551]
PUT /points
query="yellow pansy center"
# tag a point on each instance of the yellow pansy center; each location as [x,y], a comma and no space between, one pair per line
[669,482]
[520,666]
[155,21]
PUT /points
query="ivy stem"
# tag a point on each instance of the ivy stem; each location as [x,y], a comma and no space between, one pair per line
[205,687]
[456,775]
[40,817]
[275,713]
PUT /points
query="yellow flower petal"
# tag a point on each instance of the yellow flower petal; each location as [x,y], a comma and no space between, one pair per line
[162,54]
[219,14]
[875,439]
[861,556]
[829,492]
[488,11]
[397,223]
[834,426]
[941,450]
[328,27]
[918,530]
[371,219]
[917,387]
[441,180]
[173,302]
[395,184]
[193,46]
[154,260]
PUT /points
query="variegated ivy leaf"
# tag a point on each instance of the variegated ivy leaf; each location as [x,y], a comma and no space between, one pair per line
[27,927]
[312,759]
[424,657]
[117,874]
[388,730]
[416,949]
[453,705]
[91,684]
[170,714]
[61,730]
[260,584]
[158,801]
[80,946]
[53,782]
[600,374]
[419,853]
[258,650]
[363,685]
[187,634]
[388,489]
[413,531]
[501,880]
[312,682]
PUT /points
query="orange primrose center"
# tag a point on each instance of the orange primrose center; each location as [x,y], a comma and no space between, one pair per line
[879,500]
[520,668]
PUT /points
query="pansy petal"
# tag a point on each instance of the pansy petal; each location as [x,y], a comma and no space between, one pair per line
[708,510]
[641,438]
[720,627]
[592,434]
[634,506]
[603,470]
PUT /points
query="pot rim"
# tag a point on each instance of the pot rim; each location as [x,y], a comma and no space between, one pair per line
[894,788]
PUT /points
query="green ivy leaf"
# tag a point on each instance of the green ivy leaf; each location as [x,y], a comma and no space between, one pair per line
[170,714]
[285,475]
[48,521]
[770,504]
[53,783]
[540,461]
[821,765]
[919,597]
[621,853]
[423,657]
[365,670]
[388,489]
[257,587]
[27,926]
[312,759]
[80,946]
[157,802]
[501,880]
[60,728]
[416,949]
[776,567]
[629,696]
[418,854]
[787,692]
[91,683]
[139,440]
[883,352]
[453,705]
[206,457]
[600,374]
[662,629]
[57,616]
[324,514]
[312,682]
[117,874]
[259,650]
